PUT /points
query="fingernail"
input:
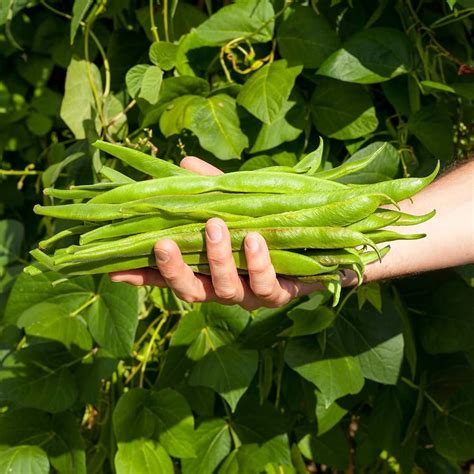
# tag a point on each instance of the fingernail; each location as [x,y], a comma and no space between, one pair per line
[115,278]
[252,244]
[162,255]
[214,232]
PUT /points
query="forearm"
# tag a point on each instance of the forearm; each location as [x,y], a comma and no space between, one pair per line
[449,237]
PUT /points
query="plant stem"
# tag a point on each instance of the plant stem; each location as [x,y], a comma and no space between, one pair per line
[423,391]
[85,305]
[166,19]
[153,28]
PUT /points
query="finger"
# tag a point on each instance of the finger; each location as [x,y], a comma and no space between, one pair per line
[199,166]
[179,276]
[262,277]
[139,277]
[227,283]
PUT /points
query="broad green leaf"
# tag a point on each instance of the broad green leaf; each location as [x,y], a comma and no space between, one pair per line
[431,461]
[163,54]
[374,339]
[144,82]
[287,126]
[163,416]
[371,293]
[213,444]
[78,12]
[448,325]
[24,460]
[29,291]
[306,38]
[11,240]
[433,126]
[142,457]
[266,92]
[113,316]
[151,85]
[213,120]
[384,167]
[134,78]
[39,124]
[328,417]
[334,373]
[245,18]
[31,377]
[341,110]
[36,69]
[54,322]
[330,448]
[78,108]
[393,407]
[227,370]
[310,317]
[370,56]
[453,431]
[113,112]
[210,328]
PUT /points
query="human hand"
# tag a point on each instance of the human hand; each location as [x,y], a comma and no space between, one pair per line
[262,287]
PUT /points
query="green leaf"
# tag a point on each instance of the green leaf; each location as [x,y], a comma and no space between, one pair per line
[32,378]
[448,325]
[54,322]
[212,446]
[113,316]
[142,457]
[151,85]
[286,127]
[78,109]
[341,110]
[134,78]
[78,12]
[210,328]
[11,239]
[382,168]
[163,416]
[252,18]
[39,124]
[306,38]
[433,126]
[370,292]
[29,291]
[24,459]
[227,370]
[328,417]
[265,94]
[310,317]
[370,56]
[312,161]
[334,373]
[374,339]
[163,54]
[330,448]
[213,120]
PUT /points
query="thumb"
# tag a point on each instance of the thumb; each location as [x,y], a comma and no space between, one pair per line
[199,166]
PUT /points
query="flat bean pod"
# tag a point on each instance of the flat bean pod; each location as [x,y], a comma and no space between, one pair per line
[155,167]
[76,230]
[350,167]
[192,242]
[237,182]
[67,194]
[82,212]
[115,176]
[380,236]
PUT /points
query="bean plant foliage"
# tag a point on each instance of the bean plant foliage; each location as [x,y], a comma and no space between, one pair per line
[102,377]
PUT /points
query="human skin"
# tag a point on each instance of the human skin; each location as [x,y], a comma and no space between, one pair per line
[449,242]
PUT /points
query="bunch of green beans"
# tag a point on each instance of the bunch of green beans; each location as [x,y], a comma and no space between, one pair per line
[315,226]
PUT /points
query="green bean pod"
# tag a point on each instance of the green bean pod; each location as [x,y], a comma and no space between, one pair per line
[67,194]
[380,236]
[237,182]
[284,262]
[82,212]
[384,218]
[76,230]
[350,167]
[192,242]
[115,176]
[154,167]
[132,226]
